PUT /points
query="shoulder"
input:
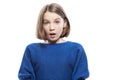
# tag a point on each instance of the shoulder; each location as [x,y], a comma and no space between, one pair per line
[33,45]
[75,44]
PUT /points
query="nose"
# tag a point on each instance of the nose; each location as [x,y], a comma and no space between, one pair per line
[52,27]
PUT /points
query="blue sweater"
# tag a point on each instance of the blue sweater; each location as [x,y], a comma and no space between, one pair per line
[61,61]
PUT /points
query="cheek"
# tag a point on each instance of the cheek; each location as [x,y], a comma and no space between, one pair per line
[60,26]
[60,29]
[45,29]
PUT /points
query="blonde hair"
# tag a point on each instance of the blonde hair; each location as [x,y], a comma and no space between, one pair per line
[56,8]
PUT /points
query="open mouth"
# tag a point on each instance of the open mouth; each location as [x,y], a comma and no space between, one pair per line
[52,35]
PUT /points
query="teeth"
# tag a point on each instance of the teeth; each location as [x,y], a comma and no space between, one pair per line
[52,33]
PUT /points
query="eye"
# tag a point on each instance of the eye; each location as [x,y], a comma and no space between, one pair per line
[45,22]
[57,21]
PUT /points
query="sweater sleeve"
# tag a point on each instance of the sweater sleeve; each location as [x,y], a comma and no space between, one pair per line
[81,65]
[26,71]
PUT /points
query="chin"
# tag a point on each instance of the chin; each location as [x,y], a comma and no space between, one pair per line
[53,40]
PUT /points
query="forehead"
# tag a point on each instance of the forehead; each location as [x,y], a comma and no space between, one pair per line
[51,16]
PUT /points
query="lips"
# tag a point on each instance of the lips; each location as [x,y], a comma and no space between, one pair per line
[52,35]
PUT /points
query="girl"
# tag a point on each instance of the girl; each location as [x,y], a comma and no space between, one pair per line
[55,59]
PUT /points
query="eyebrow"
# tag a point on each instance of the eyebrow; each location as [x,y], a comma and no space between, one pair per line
[57,19]
[48,20]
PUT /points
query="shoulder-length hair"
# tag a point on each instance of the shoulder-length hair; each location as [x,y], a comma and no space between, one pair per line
[56,8]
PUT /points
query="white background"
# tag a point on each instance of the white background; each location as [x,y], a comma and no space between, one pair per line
[94,23]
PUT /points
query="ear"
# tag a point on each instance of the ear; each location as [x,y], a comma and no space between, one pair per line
[65,24]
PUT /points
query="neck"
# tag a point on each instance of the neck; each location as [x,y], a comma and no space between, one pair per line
[60,40]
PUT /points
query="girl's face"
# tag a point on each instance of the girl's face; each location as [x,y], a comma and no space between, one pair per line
[53,25]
